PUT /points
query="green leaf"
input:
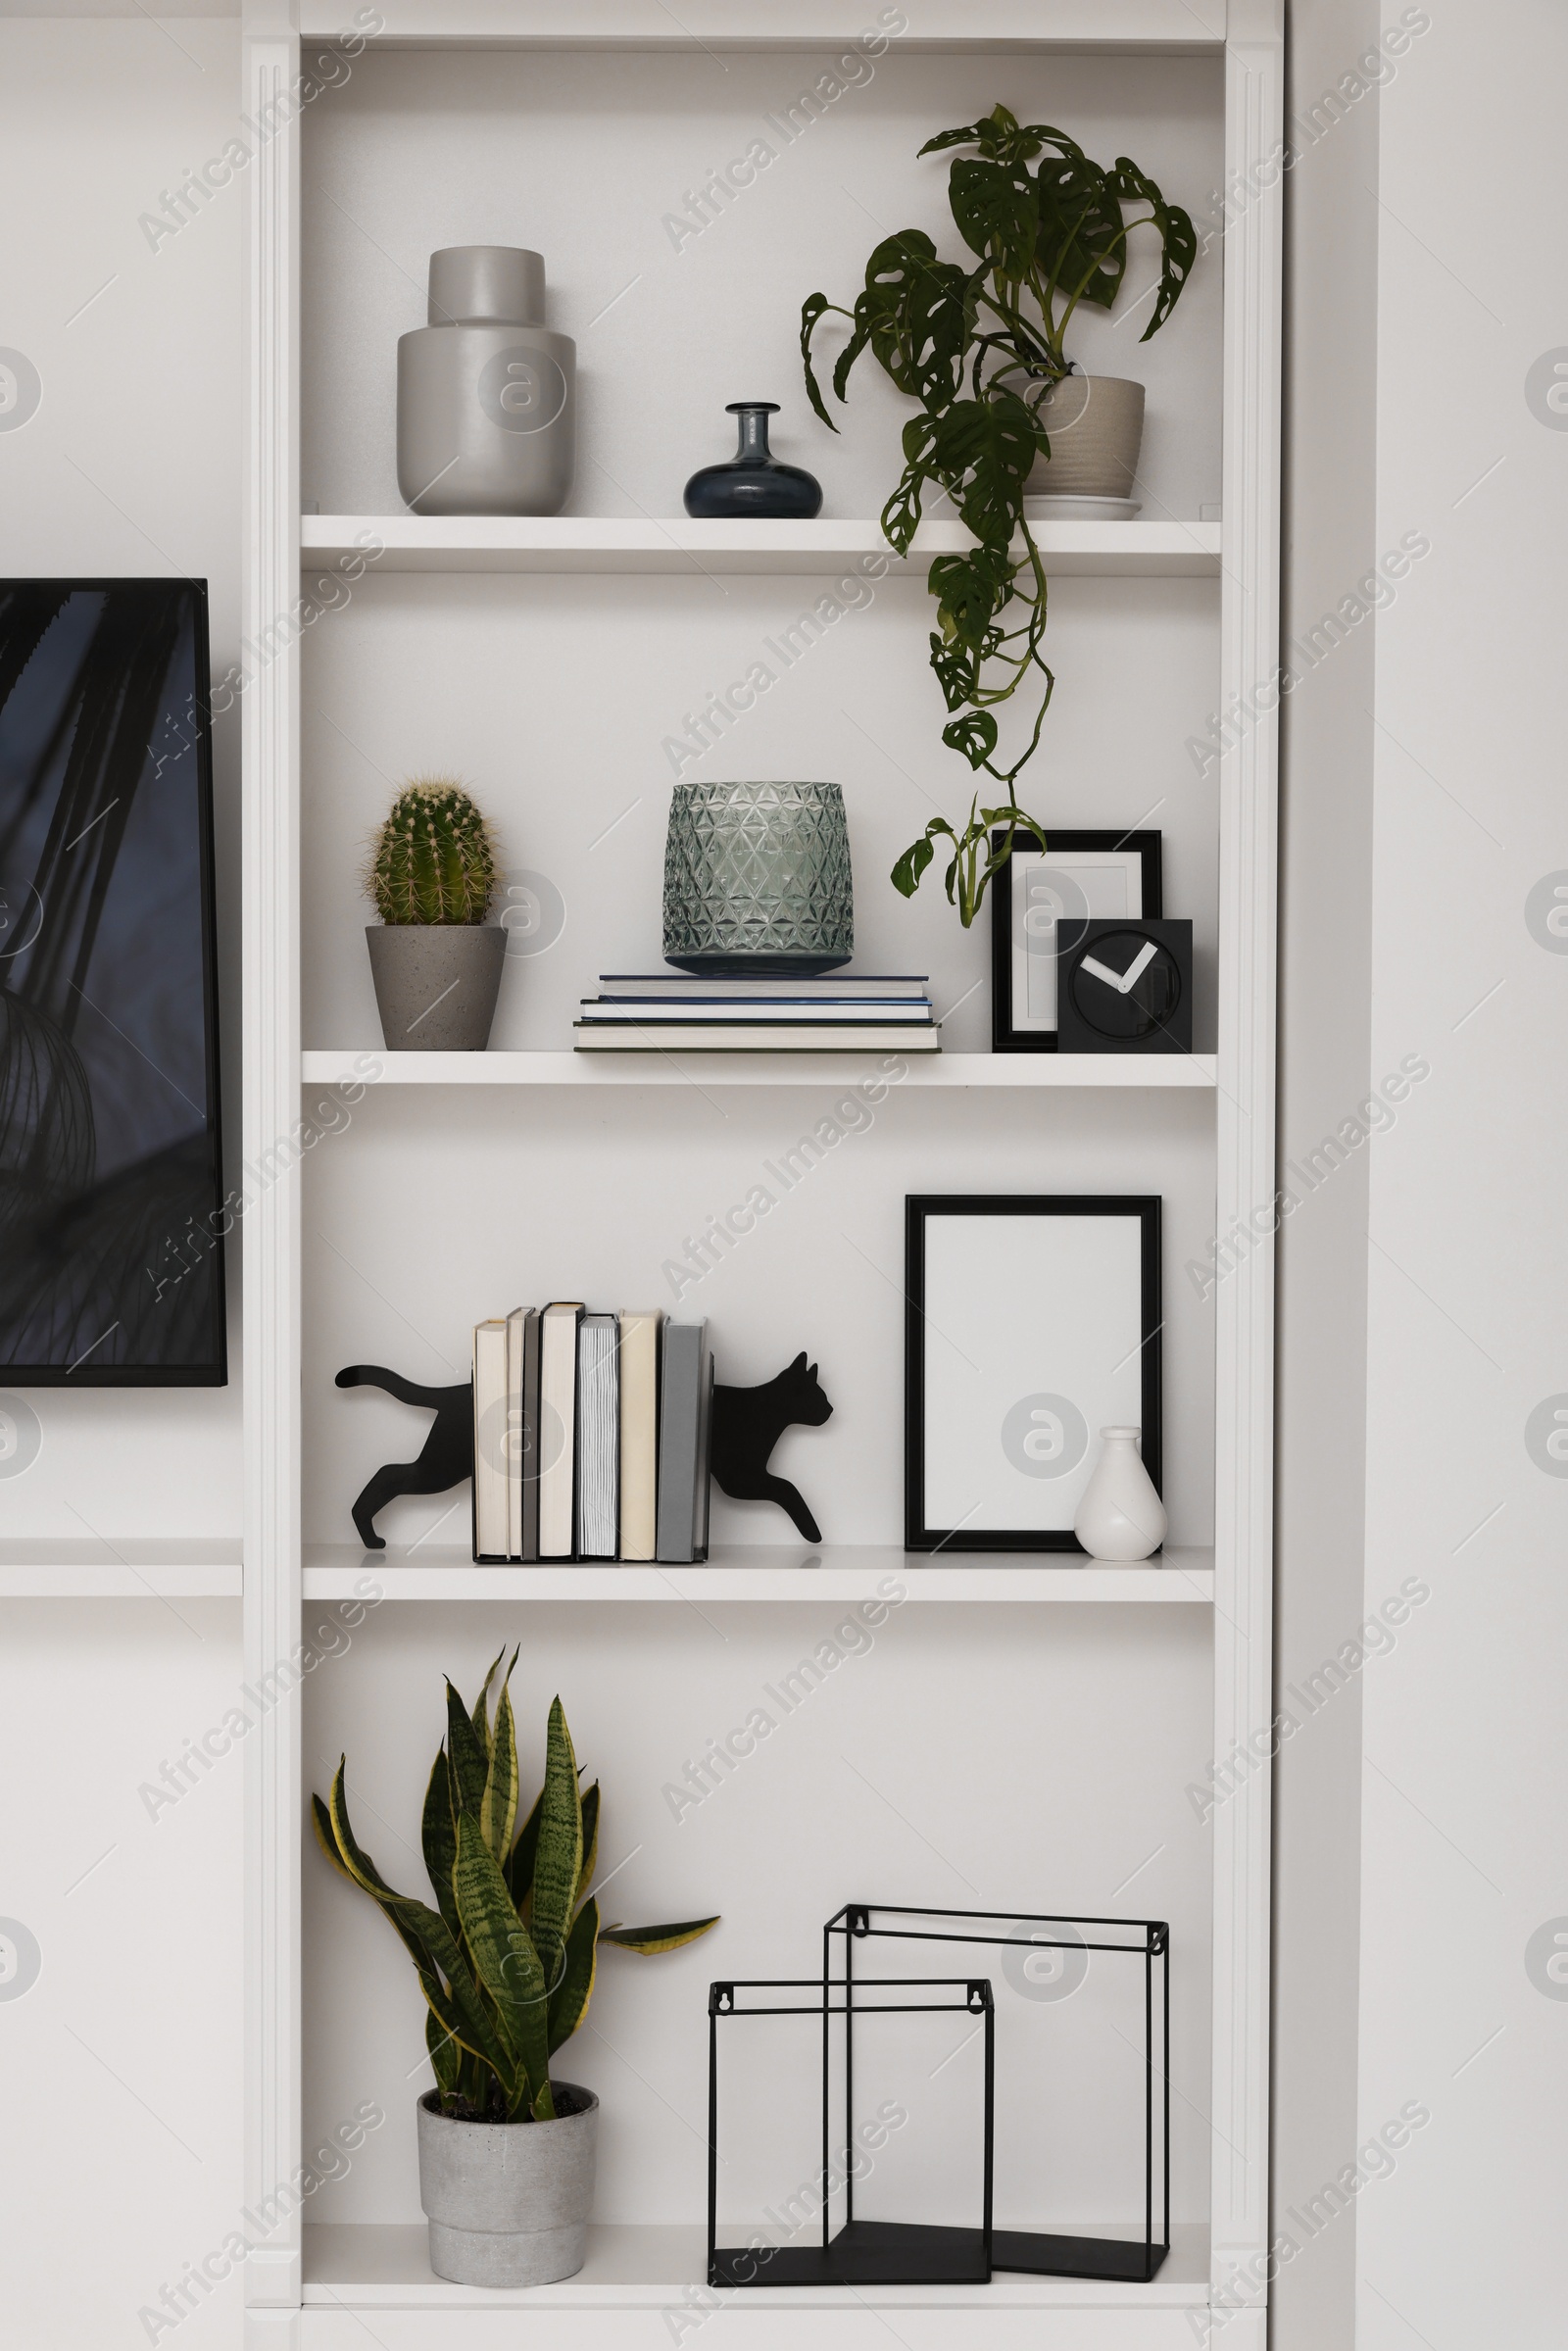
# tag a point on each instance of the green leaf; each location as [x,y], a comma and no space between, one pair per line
[498,1814]
[481,1704]
[916,857]
[648,1939]
[446,2056]
[1178,239]
[975,736]
[467,1764]
[568,2002]
[558,1862]
[519,1865]
[503,1957]
[590,1841]
[438,1837]
[813,309]
[994,210]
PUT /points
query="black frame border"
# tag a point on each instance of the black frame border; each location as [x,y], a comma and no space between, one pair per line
[1063,842]
[918,1206]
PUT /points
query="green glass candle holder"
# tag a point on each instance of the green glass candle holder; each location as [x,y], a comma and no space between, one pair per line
[757,880]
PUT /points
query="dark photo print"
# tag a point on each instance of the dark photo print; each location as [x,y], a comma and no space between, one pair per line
[111,1263]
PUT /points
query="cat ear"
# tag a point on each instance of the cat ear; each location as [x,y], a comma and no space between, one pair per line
[810,1371]
[799,1360]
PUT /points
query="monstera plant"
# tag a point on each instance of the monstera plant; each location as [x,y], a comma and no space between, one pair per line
[507,1958]
[978,345]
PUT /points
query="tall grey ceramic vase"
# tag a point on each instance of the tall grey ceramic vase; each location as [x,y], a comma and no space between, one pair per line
[487,392]
[756,879]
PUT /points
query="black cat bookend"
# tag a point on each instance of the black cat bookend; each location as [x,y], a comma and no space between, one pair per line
[445,1458]
[748,1423]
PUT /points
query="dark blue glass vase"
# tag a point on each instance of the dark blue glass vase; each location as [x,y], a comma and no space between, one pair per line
[753,482]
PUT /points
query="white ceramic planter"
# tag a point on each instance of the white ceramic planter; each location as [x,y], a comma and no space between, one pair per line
[1120,1516]
[1096,427]
[436,983]
[508,2203]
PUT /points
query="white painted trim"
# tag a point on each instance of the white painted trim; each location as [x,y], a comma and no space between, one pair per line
[1245,1157]
[270,757]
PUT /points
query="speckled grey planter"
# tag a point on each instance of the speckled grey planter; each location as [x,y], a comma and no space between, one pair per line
[436,984]
[507,2202]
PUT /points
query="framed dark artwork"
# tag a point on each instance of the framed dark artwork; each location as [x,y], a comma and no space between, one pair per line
[110,1208]
[1031,1323]
[1079,876]
[1124,986]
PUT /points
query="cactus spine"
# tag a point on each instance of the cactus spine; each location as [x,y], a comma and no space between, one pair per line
[434,858]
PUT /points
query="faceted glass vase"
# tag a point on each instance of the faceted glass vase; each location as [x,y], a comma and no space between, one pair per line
[756,879]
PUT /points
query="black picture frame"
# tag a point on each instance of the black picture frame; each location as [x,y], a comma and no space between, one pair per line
[1006,1037]
[920,1208]
[181,1254]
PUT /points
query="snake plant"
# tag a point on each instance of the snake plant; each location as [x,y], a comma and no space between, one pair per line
[506,1959]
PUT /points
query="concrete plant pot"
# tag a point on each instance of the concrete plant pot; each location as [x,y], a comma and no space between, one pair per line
[1096,427]
[508,2203]
[436,984]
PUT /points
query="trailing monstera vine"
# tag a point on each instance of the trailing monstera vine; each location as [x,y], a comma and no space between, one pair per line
[508,1957]
[979,345]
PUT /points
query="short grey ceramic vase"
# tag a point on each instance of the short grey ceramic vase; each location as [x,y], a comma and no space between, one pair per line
[436,983]
[756,879]
[508,2203]
[487,393]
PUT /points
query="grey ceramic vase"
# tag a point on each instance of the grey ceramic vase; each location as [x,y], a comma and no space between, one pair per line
[508,2203]
[487,392]
[1095,424]
[436,984]
[757,880]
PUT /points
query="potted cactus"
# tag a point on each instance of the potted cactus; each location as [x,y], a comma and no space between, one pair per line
[505,1962]
[435,960]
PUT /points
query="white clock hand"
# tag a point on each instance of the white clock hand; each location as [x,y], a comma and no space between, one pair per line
[1113,979]
[1146,956]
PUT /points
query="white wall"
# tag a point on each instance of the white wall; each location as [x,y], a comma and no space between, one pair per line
[119,2162]
[1466,1735]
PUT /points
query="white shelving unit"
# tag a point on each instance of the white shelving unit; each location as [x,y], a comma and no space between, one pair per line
[123,1568]
[670,1068]
[1022,1657]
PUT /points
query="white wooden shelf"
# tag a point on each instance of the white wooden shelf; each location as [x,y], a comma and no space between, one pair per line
[673,544]
[344,1067]
[359,2266]
[65,1568]
[834,1572]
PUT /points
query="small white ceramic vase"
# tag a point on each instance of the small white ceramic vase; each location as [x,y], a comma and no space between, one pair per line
[1120,1516]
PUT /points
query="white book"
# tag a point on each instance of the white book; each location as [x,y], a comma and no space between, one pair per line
[515,1441]
[745,1037]
[558,1429]
[639,1434]
[490,1441]
[756,1013]
[787,984]
[598,1436]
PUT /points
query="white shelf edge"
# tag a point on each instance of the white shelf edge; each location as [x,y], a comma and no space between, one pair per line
[373,1066]
[362,2265]
[372,544]
[67,1568]
[834,1572]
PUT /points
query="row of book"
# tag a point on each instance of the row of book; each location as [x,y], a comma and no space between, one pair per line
[666,1011]
[590,1435]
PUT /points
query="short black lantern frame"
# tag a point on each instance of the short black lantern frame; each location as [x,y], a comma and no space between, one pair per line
[1130,2261]
[864,2252]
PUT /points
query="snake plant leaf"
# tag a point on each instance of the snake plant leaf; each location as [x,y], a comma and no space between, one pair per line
[498,1814]
[568,2002]
[503,1957]
[590,1841]
[558,1860]
[519,1862]
[657,1939]
[439,1839]
[468,1763]
[326,1839]
[481,1704]
[445,2052]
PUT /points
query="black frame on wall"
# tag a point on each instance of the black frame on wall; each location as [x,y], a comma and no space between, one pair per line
[920,1207]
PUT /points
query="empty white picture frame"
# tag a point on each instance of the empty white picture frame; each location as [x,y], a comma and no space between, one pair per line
[1083,875]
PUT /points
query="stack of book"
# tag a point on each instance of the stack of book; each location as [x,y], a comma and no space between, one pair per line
[664,1012]
[590,1435]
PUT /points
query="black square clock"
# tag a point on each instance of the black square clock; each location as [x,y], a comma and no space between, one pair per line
[1124,986]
